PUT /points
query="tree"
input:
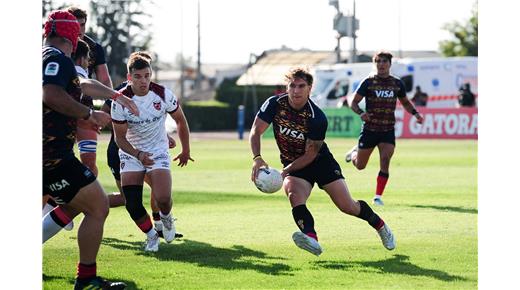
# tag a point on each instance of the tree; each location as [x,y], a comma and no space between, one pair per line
[465,42]
[121,27]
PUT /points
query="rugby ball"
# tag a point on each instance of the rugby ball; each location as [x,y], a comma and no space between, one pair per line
[269,180]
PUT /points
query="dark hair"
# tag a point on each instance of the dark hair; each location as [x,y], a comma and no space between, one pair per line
[299,73]
[77,12]
[82,50]
[138,61]
[383,54]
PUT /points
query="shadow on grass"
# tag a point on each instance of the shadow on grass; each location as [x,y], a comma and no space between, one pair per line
[46,278]
[398,264]
[448,208]
[206,255]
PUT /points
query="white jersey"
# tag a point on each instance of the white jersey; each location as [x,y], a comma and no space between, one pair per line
[147,132]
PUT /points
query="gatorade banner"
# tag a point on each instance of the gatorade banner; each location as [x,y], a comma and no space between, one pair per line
[453,123]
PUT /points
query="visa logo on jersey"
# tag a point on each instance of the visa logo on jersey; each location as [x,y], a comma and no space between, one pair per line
[292,133]
[57,186]
[384,94]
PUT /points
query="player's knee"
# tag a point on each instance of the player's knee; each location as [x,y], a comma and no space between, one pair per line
[134,201]
[162,200]
[135,210]
[99,211]
[360,166]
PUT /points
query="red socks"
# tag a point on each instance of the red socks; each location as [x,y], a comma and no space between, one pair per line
[382,179]
[86,271]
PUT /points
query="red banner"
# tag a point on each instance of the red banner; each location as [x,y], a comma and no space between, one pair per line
[453,123]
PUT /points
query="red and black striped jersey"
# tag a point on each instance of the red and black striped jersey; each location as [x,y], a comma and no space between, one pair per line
[381,97]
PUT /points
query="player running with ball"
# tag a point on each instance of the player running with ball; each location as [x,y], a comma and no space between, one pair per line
[299,128]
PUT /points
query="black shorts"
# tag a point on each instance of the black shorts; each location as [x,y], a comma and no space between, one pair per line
[65,181]
[323,170]
[113,159]
[370,139]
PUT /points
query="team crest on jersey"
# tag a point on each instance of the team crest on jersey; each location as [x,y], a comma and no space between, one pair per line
[122,165]
[157,105]
[52,69]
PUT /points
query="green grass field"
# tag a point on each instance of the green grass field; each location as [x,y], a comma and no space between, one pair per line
[236,237]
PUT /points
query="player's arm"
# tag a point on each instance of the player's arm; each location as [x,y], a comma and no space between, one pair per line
[102,74]
[355,107]
[120,129]
[410,108]
[255,135]
[56,98]
[93,87]
[312,148]
[183,131]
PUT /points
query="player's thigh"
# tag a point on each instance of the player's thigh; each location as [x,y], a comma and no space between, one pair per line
[340,195]
[160,182]
[132,178]
[297,189]
[90,200]
[363,155]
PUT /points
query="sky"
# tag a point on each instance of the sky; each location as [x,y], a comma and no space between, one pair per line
[233,29]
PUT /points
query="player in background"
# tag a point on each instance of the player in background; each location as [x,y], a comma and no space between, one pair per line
[86,137]
[381,92]
[143,147]
[299,128]
[72,185]
[118,199]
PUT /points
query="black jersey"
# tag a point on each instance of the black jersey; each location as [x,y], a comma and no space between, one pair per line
[293,127]
[381,96]
[59,131]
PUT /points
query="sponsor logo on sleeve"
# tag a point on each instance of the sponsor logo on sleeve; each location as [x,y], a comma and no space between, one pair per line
[52,69]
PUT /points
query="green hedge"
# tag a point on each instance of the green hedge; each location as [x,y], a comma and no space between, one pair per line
[210,116]
[228,92]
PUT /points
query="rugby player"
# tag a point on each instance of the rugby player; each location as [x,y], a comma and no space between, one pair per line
[143,147]
[71,184]
[299,128]
[381,91]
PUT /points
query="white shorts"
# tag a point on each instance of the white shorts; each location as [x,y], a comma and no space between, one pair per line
[130,163]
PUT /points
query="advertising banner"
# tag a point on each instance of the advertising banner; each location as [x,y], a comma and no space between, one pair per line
[452,123]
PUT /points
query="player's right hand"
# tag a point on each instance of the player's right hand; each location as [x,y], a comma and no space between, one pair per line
[145,159]
[257,164]
[128,103]
[99,119]
[365,117]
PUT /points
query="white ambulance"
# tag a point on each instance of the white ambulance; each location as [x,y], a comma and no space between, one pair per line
[440,78]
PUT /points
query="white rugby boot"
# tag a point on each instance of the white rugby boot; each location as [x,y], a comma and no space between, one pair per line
[152,244]
[168,228]
[307,243]
[348,156]
[378,201]
[69,226]
[387,237]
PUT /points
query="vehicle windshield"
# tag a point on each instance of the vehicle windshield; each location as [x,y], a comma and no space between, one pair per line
[320,85]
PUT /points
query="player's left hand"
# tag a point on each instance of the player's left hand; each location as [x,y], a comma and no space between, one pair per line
[183,158]
[419,118]
[171,142]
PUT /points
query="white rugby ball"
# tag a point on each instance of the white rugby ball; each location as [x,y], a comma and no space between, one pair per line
[269,180]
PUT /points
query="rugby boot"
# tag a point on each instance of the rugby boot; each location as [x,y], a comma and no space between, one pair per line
[307,243]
